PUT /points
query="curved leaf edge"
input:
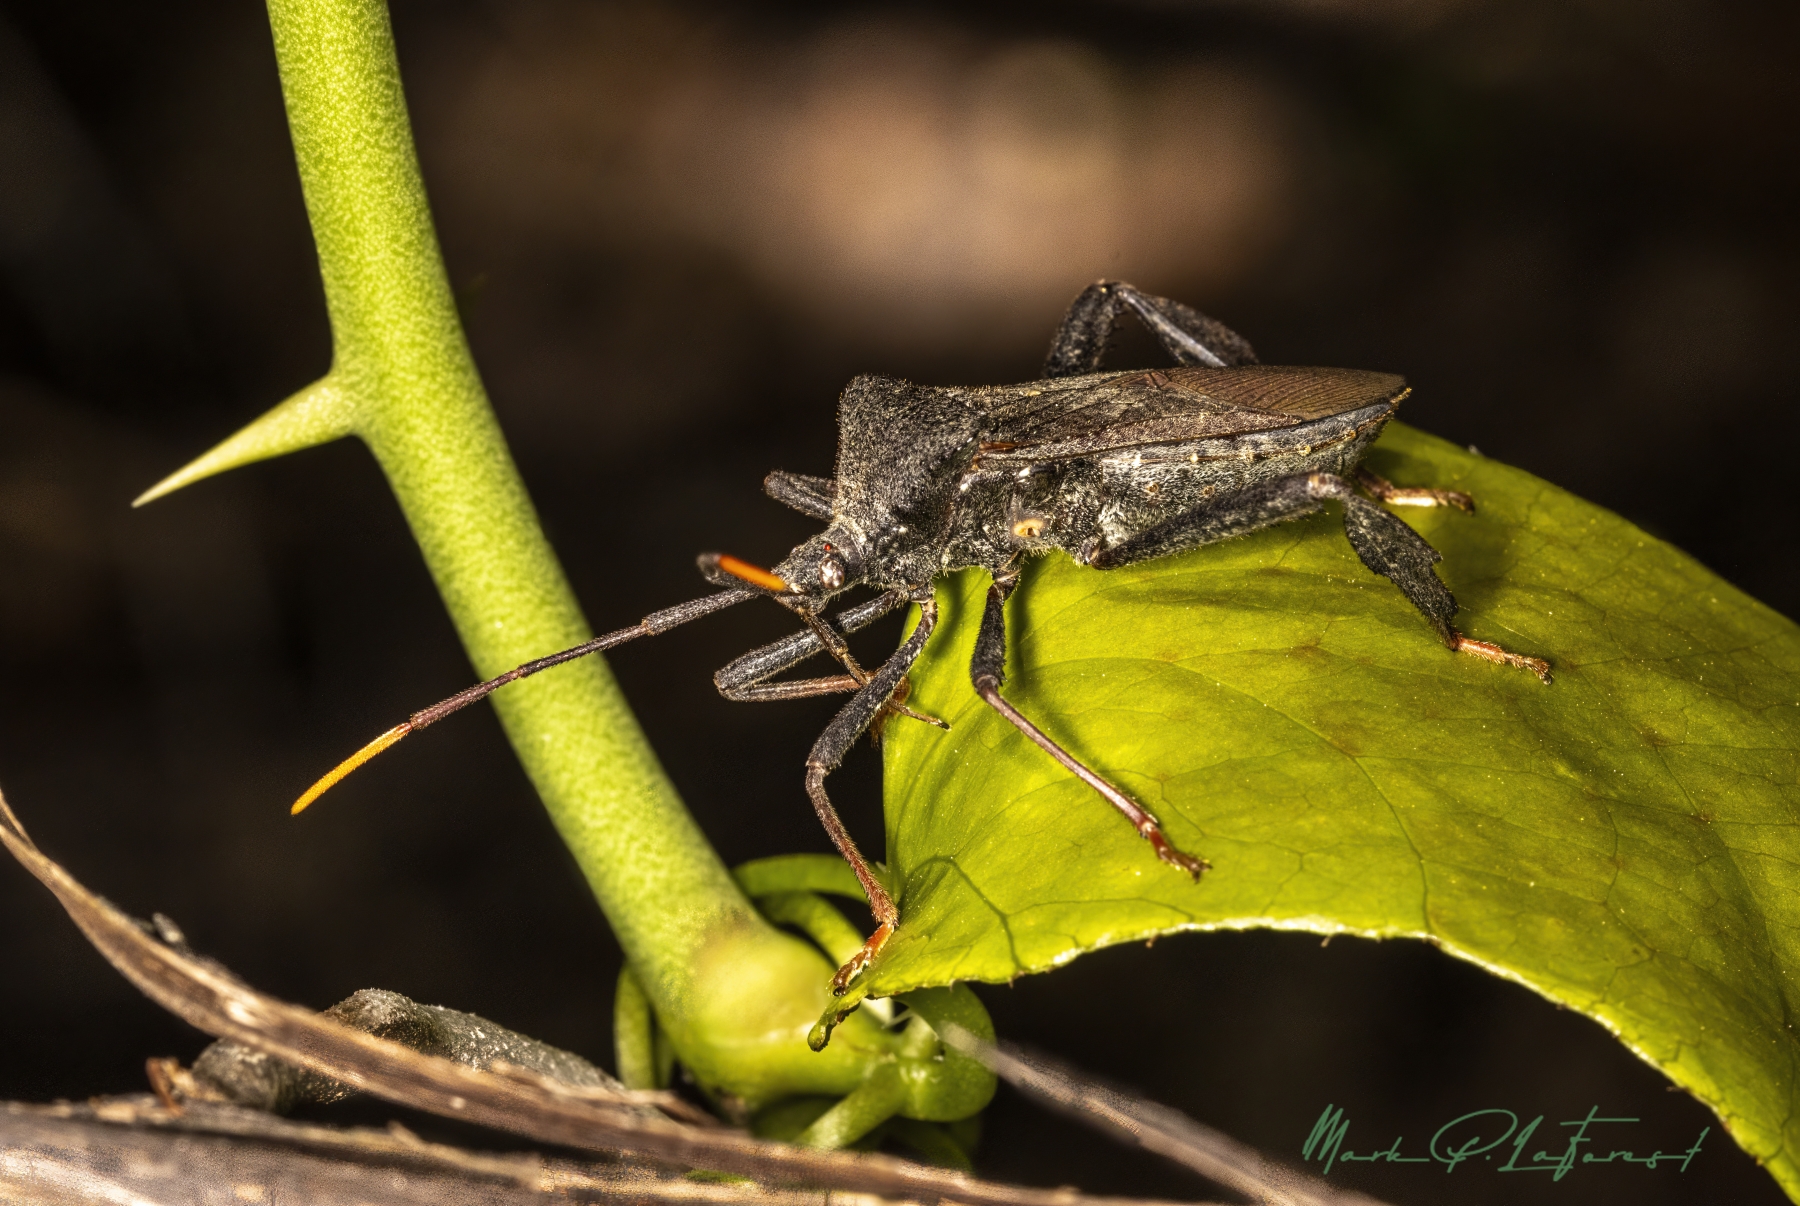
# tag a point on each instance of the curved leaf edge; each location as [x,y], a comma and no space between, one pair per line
[1769,1149]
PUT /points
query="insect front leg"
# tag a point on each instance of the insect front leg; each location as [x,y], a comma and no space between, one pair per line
[744,679]
[828,753]
[987,671]
[804,688]
[896,704]
[1189,336]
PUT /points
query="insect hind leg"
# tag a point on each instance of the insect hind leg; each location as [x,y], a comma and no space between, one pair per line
[1392,549]
[1189,336]
[1236,514]
[1381,489]
[1382,542]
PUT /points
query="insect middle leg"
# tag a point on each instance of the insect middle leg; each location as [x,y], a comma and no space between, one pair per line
[987,671]
[826,756]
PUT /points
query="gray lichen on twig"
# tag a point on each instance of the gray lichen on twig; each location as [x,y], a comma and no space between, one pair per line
[252,1078]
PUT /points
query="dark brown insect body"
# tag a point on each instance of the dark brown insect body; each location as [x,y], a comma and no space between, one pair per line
[1110,468]
[1093,465]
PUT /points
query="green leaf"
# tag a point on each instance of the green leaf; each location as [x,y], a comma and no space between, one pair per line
[1622,841]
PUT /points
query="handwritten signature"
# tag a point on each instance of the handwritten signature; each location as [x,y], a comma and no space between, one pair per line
[1482,1133]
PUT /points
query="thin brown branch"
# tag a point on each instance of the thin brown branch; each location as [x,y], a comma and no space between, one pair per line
[207,996]
[135,1150]
[1167,1132]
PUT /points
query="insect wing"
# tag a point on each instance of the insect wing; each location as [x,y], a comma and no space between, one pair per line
[1054,420]
[1298,394]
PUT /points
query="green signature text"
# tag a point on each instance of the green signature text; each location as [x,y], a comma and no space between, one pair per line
[1488,1133]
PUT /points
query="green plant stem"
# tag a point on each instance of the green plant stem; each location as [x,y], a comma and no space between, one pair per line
[725,985]
[734,996]
[418,402]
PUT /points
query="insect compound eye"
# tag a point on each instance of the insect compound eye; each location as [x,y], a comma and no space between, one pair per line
[831,572]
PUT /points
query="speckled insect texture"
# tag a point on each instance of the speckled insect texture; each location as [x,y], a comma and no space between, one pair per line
[1110,468]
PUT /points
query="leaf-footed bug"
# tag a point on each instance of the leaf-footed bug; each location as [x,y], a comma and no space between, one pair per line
[1111,468]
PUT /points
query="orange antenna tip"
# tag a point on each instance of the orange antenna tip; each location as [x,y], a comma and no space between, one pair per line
[750,573]
[349,764]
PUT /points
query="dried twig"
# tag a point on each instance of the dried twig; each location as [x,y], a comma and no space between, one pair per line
[134,1150]
[209,997]
[1213,1154]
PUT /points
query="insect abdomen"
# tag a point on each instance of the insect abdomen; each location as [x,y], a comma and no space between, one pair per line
[1145,487]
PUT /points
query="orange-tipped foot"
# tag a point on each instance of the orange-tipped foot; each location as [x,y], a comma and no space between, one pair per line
[840,983]
[934,721]
[1488,651]
[349,764]
[1165,850]
[1404,496]
[1400,497]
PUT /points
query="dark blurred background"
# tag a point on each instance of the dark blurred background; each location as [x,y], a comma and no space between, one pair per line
[676,229]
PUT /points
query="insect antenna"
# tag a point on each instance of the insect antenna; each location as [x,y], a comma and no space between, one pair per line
[722,569]
[654,624]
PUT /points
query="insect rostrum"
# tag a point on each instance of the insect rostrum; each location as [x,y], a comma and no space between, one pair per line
[1110,468]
